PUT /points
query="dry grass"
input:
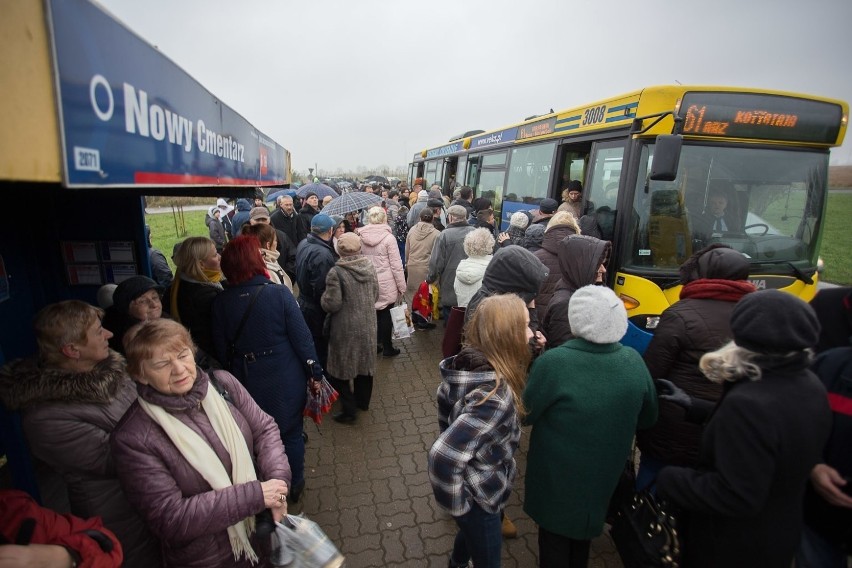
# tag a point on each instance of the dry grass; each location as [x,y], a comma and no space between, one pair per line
[840,176]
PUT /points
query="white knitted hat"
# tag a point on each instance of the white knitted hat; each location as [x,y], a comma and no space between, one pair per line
[519,219]
[597,315]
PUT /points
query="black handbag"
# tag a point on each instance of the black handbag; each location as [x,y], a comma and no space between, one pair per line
[643,528]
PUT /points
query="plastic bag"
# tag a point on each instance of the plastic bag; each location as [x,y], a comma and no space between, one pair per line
[300,543]
[402,324]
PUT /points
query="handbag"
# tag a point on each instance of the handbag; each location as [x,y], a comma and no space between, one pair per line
[298,542]
[643,528]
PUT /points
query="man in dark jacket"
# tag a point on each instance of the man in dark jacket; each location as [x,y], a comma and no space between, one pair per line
[465,196]
[315,256]
[310,207]
[241,216]
[833,307]
[286,220]
[447,252]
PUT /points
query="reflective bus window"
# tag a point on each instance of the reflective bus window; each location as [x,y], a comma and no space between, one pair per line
[529,172]
[766,204]
[606,172]
[498,159]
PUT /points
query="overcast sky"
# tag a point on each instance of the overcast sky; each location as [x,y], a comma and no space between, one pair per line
[349,83]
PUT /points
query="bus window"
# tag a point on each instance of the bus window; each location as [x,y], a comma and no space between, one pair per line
[765,203]
[573,166]
[602,187]
[530,167]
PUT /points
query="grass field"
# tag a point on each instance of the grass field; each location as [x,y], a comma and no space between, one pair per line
[836,241]
[836,248]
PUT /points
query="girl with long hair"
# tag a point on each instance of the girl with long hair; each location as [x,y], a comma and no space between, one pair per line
[472,463]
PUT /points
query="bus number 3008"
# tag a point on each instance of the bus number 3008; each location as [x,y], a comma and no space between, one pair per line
[594,115]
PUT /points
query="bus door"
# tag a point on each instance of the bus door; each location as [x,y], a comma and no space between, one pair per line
[454,171]
[434,173]
[492,179]
[601,192]
[471,179]
[571,165]
[415,171]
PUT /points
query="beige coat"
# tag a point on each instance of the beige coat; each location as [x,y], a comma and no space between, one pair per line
[418,250]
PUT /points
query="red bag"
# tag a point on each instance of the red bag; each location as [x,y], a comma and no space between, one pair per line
[421,304]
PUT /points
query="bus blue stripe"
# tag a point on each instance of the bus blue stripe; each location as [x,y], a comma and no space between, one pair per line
[622,107]
[567,127]
[568,119]
[617,118]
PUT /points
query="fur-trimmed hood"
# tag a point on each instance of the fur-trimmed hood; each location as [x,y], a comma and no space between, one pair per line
[24,384]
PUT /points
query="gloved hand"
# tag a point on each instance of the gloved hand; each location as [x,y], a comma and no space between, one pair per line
[667,390]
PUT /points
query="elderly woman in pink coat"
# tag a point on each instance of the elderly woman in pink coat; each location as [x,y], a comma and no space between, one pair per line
[379,245]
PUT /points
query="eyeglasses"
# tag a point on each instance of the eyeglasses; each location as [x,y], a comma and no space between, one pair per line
[149,301]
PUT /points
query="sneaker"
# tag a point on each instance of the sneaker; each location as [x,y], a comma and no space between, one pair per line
[392,352]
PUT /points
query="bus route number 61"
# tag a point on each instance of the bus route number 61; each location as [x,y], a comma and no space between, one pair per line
[594,115]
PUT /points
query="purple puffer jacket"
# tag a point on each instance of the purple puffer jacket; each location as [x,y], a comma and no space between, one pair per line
[175,500]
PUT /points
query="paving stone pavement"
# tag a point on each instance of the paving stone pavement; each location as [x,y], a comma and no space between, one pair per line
[368,486]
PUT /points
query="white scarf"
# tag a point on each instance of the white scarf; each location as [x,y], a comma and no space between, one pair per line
[201,456]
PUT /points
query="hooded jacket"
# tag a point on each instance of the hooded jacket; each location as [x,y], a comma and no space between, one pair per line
[241,216]
[512,269]
[472,461]
[379,245]
[579,259]
[548,255]
[469,278]
[687,330]
[413,216]
[67,418]
[351,291]
[418,251]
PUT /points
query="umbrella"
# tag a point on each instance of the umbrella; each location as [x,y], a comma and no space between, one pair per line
[351,201]
[380,179]
[276,194]
[320,189]
[320,401]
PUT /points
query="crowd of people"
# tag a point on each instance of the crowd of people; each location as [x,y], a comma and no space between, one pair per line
[174,411]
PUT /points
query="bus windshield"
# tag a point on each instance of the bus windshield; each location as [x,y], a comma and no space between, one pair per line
[765,203]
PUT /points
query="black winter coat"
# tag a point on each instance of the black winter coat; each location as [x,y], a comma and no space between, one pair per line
[548,255]
[744,501]
[579,259]
[293,226]
[314,258]
[687,330]
[194,308]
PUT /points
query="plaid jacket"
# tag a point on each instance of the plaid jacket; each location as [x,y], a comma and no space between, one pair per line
[473,458]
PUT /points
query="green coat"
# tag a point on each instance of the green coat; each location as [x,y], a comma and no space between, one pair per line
[585,402]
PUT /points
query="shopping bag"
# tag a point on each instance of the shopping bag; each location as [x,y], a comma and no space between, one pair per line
[401,318]
[421,303]
[298,542]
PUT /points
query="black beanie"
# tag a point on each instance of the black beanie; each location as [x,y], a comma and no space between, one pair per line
[130,289]
[771,321]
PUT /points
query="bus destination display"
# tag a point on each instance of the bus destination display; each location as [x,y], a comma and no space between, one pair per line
[764,117]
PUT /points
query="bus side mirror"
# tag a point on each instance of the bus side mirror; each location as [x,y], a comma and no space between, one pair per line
[666,157]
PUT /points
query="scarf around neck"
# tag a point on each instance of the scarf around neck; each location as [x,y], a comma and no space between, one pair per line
[204,460]
[716,289]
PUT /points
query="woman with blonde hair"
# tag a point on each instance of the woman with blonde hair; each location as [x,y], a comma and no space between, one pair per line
[379,245]
[198,280]
[268,250]
[472,464]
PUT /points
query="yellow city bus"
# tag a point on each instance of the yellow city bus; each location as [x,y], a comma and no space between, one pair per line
[652,164]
